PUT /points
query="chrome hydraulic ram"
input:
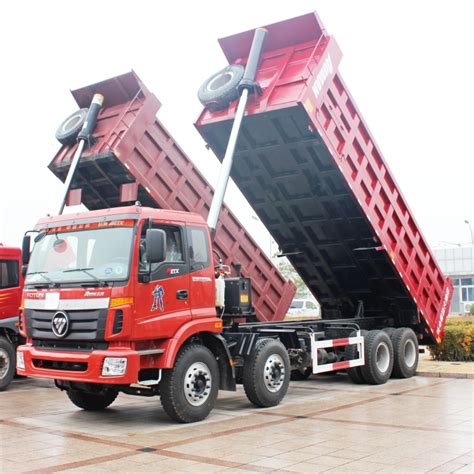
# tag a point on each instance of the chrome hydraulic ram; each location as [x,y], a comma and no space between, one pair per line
[247,84]
[82,139]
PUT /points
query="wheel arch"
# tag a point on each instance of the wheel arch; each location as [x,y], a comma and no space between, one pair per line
[9,330]
[207,332]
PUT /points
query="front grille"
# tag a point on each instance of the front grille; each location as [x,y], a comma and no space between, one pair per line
[85,325]
[60,365]
[73,346]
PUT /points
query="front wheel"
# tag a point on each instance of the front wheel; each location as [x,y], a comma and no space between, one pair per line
[267,373]
[92,401]
[7,363]
[189,390]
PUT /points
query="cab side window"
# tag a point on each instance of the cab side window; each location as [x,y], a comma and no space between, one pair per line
[198,248]
[174,248]
[9,277]
[174,244]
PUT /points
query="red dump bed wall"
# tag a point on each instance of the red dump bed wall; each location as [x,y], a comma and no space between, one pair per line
[135,157]
[311,169]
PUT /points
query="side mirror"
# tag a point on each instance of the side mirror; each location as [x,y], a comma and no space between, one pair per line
[25,249]
[155,245]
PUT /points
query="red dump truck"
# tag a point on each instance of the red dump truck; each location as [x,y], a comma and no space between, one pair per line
[11,282]
[132,299]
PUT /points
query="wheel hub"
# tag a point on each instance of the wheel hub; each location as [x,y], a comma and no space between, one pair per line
[410,353]
[383,357]
[274,373]
[4,363]
[197,383]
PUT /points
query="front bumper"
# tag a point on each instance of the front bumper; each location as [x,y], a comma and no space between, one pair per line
[78,366]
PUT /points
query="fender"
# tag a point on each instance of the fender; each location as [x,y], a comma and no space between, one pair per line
[172,346]
[218,345]
[10,323]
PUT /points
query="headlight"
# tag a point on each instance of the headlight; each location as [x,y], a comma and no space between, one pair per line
[20,360]
[114,366]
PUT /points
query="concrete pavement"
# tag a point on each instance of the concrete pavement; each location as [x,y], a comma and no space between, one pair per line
[325,424]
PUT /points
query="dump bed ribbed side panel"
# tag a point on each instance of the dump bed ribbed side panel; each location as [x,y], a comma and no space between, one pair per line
[308,164]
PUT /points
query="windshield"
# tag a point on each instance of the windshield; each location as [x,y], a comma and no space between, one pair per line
[296,304]
[93,255]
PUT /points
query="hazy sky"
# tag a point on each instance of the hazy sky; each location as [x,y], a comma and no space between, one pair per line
[409,65]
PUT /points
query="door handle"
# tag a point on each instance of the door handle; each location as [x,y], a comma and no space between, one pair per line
[182,294]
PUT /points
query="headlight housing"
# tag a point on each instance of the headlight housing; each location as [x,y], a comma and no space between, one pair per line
[114,366]
[20,360]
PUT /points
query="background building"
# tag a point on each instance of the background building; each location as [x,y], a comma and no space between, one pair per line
[458,263]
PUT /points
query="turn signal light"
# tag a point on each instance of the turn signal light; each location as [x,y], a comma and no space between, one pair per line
[114,302]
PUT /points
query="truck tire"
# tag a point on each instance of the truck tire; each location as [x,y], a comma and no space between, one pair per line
[92,401]
[378,356]
[298,374]
[389,331]
[70,127]
[219,90]
[405,353]
[267,373]
[350,352]
[189,390]
[7,363]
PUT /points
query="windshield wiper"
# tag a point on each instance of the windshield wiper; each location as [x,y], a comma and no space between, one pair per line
[87,272]
[42,274]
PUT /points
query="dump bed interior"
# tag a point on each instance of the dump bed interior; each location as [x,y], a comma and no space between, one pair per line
[309,167]
[133,157]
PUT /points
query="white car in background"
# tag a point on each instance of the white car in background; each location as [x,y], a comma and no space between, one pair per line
[306,308]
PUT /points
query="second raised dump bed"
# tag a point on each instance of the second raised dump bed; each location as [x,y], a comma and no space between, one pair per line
[310,168]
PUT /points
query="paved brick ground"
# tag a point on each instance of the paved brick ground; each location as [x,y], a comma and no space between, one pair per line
[434,368]
[325,424]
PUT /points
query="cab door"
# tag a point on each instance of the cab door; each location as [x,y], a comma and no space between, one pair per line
[164,303]
[10,283]
[201,272]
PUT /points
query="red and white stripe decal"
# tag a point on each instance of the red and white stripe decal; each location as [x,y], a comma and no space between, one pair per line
[316,345]
[67,300]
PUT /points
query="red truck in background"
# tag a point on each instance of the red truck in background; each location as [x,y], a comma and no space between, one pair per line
[131,299]
[11,285]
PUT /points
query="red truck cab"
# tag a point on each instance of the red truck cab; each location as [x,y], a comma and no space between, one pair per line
[95,311]
[11,283]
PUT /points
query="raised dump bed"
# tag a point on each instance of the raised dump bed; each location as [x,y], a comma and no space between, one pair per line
[135,157]
[308,164]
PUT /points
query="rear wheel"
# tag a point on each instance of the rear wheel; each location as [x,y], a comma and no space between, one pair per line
[189,390]
[378,356]
[7,363]
[267,373]
[355,373]
[92,401]
[389,331]
[405,353]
